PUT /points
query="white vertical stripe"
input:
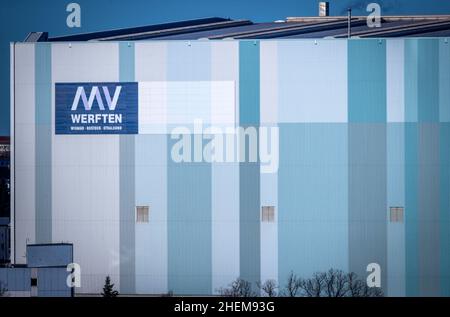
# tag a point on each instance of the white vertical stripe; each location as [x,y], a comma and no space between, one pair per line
[211,101]
[225,176]
[85,175]
[12,149]
[24,151]
[312,79]
[395,80]
[151,238]
[150,66]
[268,82]
[269,230]
[269,181]
[223,103]
[152,107]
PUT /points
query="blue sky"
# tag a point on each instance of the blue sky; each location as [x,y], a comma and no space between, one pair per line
[18,17]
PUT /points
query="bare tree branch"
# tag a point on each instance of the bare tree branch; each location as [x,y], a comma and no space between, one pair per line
[269,288]
[238,288]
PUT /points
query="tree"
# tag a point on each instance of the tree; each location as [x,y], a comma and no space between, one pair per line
[336,283]
[313,287]
[292,285]
[238,288]
[269,288]
[108,289]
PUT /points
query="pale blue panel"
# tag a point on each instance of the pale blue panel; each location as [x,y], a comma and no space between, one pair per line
[428,80]
[445,208]
[188,188]
[225,224]
[367,114]
[367,80]
[411,208]
[429,208]
[269,230]
[189,227]
[312,230]
[151,190]
[16,279]
[269,189]
[396,198]
[127,184]
[127,214]
[189,61]
[126,64]
[395,90]
[367,197]
[49,255]
[52,282]
[312,82]
[249,82]
[444,80]
[43,80]
[411,78]
[249,172]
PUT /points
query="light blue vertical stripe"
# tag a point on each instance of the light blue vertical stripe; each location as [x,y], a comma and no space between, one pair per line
[312,231]
[126,63]
[188,187]
[421,170]
[428,80]
[411,80]
[429,208]
[367,157]
[411,167]
[367,190]
[43,95]
[249,172]
[312,82]
[428,173]
[445,208]
[249,83]
[269,230]
[367,81]
[189,227]
[396,198]
[127,184]
[411,207]
[151,186]
[444,80]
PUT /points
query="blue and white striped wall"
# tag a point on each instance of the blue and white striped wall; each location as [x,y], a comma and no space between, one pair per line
[363,125]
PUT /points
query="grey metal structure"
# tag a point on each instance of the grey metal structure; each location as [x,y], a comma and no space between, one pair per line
[44,275]
[292,27]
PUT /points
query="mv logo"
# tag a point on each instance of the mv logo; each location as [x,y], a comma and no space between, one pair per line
[96,95]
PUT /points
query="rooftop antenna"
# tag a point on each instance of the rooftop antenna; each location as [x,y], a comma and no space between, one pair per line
[349,22]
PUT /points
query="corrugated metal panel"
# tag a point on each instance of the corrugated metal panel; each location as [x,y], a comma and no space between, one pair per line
[49,255]
[52,282]
[177,31]
[16,279]
[135,30]
[402,30]
[294,27]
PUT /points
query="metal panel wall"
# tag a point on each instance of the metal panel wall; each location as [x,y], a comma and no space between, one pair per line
[366,127]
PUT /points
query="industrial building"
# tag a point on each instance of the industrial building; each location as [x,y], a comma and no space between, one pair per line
[44,274]
[362,174]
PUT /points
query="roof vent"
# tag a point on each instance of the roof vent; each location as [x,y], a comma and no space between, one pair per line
[324,9]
